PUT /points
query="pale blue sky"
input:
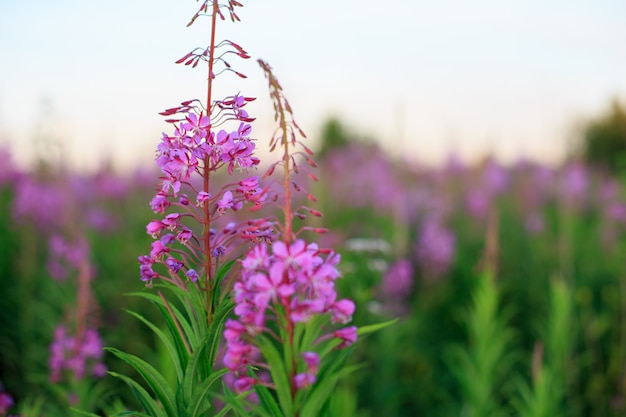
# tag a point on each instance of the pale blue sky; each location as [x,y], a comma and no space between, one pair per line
[509,77]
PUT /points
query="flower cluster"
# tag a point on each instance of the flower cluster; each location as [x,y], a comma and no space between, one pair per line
[196,148]
[294,280]
[194,144]
[80,355]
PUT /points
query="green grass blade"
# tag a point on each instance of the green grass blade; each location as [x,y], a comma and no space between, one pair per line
[147,402]
[278,373]
[154,379]
[322,391]
[267,401]
[199,403]
[363,330]
[173,351]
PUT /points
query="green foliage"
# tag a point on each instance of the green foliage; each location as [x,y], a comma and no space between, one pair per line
[483,366]
[551,374]
[333,136]
[192,346]
[605,140]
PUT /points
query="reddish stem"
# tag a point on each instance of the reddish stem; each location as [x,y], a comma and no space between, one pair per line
[208,261]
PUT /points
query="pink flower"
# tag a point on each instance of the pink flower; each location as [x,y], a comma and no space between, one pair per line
[244,383]
[158,249]
[202,197]
[225,202]
[171,221]
[342,311]
[192,275]
[154,227]
[197,126]
[184,235]
[312,360]
[159,203]
[304,380]
[347,334]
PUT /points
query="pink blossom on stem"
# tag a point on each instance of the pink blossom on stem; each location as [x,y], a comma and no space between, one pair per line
[348,335]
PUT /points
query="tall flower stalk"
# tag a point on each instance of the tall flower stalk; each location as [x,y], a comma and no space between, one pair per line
[282,342]
[286,304]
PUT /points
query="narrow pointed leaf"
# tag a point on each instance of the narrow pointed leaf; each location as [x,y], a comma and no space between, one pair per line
[374,327]
[278,373]
[146,401]
[199,400]
[267,401]
[166,341]
[154,379]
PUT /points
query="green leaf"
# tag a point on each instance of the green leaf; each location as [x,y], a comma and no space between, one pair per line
[374,327]
[154,379]
[194,304]
[278,373]
[187,387]
[321,391]
[235,402]
[188,329]
[310,331]
[199,403]
[267,401]
[217,327]
[147,402]
[166,341]
[179,342]
[221,274]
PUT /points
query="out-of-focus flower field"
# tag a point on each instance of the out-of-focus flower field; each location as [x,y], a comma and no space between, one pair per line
[508,283]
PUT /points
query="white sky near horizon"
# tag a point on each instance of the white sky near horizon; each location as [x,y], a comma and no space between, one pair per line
[511,78]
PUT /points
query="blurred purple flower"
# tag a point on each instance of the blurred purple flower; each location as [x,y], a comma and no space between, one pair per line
[397,281]
[45,204]
[616,211]
[6,401]
[64,254]
[478,201]
[99,220]
[435,248]
[495,178]
[75,354]
[370,169]
[574,183]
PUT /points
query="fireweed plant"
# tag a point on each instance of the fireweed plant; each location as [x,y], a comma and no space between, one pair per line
[253,322]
